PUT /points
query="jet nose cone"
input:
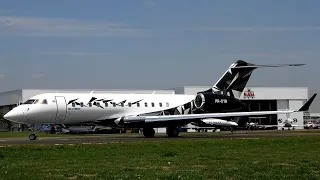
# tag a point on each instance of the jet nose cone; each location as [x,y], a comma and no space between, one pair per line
[7,116]
[13,116]
[234,124]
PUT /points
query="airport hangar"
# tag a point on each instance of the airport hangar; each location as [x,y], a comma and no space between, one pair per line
[257,98]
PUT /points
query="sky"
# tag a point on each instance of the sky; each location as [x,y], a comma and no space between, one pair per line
[155,44]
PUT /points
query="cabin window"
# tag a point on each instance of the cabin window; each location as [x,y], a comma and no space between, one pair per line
[129,104]
[81,104]
[138,104]
[106,104]
[160,104]
[152,104]
[73,104]
[146,104]
[167,104]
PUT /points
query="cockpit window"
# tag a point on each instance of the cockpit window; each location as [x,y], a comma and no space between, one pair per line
[41,101]
[44,101]
[30,101]
[36,101]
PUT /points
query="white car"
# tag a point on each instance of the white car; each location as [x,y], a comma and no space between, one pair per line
[311,125]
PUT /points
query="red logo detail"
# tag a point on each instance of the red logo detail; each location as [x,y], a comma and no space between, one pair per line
[248,94]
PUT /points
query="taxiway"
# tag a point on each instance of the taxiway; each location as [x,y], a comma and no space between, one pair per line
[98,139]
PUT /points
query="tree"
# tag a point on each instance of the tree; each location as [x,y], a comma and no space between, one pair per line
[5,123]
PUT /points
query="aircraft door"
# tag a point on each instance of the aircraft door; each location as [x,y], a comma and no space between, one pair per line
[61,109]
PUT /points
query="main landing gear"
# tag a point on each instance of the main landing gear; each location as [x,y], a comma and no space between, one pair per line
[33,135]
[148,132]
[171,132]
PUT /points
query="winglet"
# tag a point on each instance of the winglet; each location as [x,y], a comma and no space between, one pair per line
[306,106]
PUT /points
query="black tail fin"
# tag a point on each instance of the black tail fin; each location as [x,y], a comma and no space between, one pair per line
[306,106]
[235,79]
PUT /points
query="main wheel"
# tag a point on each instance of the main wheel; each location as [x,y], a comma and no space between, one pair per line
[33,137]
[148,132]
[172,131]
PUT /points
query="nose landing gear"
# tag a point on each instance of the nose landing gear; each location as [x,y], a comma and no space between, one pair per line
[33,135]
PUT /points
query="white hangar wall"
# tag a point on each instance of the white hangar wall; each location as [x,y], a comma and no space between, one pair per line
[9,99]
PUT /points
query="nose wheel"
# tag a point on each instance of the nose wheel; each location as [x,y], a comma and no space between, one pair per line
[33,137]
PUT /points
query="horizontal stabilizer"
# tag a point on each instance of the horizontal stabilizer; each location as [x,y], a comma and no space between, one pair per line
[271,65]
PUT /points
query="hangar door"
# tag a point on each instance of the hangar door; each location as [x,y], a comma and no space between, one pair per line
[262,105]
[61,109]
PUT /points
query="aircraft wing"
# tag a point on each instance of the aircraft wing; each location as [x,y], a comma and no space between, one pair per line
[193,117]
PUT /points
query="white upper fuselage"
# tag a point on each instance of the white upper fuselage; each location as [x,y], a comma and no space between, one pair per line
[54,108]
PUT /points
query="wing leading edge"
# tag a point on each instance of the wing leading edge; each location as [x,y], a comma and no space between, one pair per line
[191,117]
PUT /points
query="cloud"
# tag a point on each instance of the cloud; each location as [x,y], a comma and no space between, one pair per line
[149,3]
[62,27]
[265,55]
[255,29]
[74,54]
[37,76]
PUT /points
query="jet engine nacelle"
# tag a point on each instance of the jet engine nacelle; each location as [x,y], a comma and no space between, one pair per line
[129,121]
[211,102]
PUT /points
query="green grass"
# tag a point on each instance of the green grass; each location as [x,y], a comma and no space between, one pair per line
[281,158]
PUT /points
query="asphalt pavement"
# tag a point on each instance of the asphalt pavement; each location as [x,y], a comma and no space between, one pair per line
[107,138]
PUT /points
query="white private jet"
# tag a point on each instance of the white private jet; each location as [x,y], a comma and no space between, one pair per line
[287,123]
[212,123]
[131,110]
